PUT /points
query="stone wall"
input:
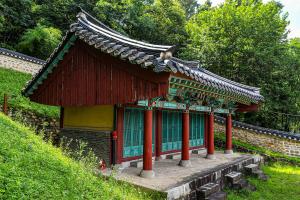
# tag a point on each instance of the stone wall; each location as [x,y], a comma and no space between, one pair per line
[271,142]
[19,64]
[98,141]
[41,124]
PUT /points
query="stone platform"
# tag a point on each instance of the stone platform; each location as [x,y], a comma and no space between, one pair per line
[181,182]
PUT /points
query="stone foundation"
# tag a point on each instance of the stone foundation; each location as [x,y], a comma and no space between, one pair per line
[49,126]
[215,175]
[98,141]
[271,142]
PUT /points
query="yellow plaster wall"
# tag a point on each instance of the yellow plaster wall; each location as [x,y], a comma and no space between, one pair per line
[93,117]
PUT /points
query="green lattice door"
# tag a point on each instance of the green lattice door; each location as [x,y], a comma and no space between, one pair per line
[196,129]
[133,133]
[171,130]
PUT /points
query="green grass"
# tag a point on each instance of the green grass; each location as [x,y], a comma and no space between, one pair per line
[31,168]
[12,83]
[284,183]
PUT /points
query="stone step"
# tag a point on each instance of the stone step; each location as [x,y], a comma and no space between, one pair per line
[217,196]
[136,163]
[174,156]
[243,184]
[260,175]
[249,169]
[233,177]
[206,190]
[199,151]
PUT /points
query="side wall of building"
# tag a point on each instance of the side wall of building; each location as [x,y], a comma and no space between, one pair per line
[273,143]
[97,141]
[92,117]
[19,64]
[91,125]
[87,77]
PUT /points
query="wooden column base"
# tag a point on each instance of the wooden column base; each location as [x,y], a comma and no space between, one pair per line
[147,174]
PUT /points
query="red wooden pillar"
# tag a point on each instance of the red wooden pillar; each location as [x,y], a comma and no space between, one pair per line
[206,124]
[185,154]
[228,149]
[210,142]
[158,137]
[119,127]
[147,171]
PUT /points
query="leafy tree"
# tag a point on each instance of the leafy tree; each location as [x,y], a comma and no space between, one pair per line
[39,41]
[15,18]
[245,40]
[158,21]
[60,13]
[190,6]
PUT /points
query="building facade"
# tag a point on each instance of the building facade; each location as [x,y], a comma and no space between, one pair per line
[130,99]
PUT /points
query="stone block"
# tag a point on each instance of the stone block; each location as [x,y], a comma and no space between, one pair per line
[249,169]
[233,177]
[173,156]
[199,151]
[206,190]
[217,196]
[260,175]
[136,164]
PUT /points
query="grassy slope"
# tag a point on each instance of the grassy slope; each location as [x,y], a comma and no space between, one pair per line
[33,169]
[284,183]
[11,83]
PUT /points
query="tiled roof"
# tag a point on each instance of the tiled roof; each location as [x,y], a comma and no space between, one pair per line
[21,56]
[158,57]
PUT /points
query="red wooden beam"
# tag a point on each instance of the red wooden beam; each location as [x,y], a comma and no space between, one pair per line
[247,108]
[158,141]
[206,124]
[228,149]
[185,155]
[211,145]
[119,123]
[147,171]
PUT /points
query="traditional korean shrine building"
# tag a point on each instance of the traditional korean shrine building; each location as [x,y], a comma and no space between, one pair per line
[131,100]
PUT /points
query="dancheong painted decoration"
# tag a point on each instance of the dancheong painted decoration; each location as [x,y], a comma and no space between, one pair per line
[133,100]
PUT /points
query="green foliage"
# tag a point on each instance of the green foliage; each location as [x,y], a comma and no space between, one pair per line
[11,83]
[190,7]
[246,41]
[15,18]
[158,21]
[39,41]
[284,183]
[60,13]
[33,169]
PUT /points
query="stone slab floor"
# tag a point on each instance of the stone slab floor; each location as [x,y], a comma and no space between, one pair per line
[168,174]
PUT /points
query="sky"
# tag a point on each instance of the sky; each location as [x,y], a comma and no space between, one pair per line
[290,6]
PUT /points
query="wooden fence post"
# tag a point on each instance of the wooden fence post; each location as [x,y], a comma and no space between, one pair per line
[5,110]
